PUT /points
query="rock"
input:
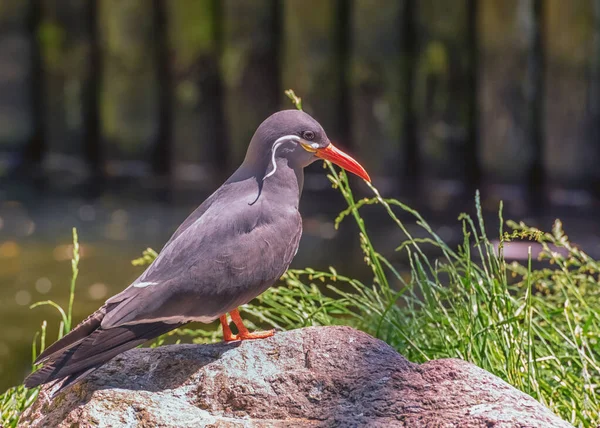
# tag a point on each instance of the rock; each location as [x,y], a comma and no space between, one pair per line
[321,376]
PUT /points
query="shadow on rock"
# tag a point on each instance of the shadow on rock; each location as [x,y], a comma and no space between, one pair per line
[147,370]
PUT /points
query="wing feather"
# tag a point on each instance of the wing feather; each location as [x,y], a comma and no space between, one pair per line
[209,273]
[79,333]
[96,349]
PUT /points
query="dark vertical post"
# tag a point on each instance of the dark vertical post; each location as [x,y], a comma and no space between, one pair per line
[409,49]
[570,150]
[223,136]
[344,41]
[36,146]
[69,54]
[16,46]
[536,178]
[276,30]
[249,69]
[162,153]
[91,98]
[473,172]
[595,97]
[376,77]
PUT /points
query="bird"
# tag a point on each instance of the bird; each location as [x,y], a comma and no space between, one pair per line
[228,251]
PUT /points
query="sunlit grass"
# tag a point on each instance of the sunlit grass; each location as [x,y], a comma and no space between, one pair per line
[535,328]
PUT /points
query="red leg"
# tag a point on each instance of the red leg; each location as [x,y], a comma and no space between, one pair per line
[227,335]
[244,334]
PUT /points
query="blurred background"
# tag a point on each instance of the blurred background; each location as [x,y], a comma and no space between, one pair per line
[119,117]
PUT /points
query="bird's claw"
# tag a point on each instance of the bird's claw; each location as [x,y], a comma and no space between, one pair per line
[244,333]
[248,336]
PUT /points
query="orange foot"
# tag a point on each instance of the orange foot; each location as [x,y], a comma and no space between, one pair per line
[244,333]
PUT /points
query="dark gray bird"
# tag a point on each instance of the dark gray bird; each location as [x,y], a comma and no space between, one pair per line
[228,251]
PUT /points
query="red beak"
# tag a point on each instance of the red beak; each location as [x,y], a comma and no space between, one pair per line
[343,160]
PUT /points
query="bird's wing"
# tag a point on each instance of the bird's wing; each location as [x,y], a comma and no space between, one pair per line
[225,258]
[195,215]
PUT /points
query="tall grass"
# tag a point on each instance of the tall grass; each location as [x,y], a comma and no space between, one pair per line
[535,328]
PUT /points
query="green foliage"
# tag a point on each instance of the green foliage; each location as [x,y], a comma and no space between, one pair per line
[148,256]
[16,400]
[295,99]
[535,328]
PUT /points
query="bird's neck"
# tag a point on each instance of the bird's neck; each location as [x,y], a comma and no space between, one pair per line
[286,181]
[284,184]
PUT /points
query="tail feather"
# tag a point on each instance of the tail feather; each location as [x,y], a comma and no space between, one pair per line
[83,355]
[75,336]
[73,379]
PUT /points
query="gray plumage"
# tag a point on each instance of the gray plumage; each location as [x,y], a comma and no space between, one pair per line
[228,251]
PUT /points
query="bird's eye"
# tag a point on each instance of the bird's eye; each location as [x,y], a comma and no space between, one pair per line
[308,135]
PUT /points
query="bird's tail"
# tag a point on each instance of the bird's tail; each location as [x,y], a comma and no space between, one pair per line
[83,330]
[88,347]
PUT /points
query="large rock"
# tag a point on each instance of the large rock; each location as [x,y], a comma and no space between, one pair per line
[327,376]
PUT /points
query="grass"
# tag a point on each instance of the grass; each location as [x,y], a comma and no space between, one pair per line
[536,328]
[16,400]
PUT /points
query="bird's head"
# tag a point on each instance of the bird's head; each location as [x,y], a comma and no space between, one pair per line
[296,136]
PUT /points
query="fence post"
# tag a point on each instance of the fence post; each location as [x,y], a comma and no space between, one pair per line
[16,51]
[507,87]
[377,81]
[129,99]
[408,76]
[250,69]
[37,144]
[198,139]
[595,94]
[571,154]
[442,94]
[162,154]
[69,54]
